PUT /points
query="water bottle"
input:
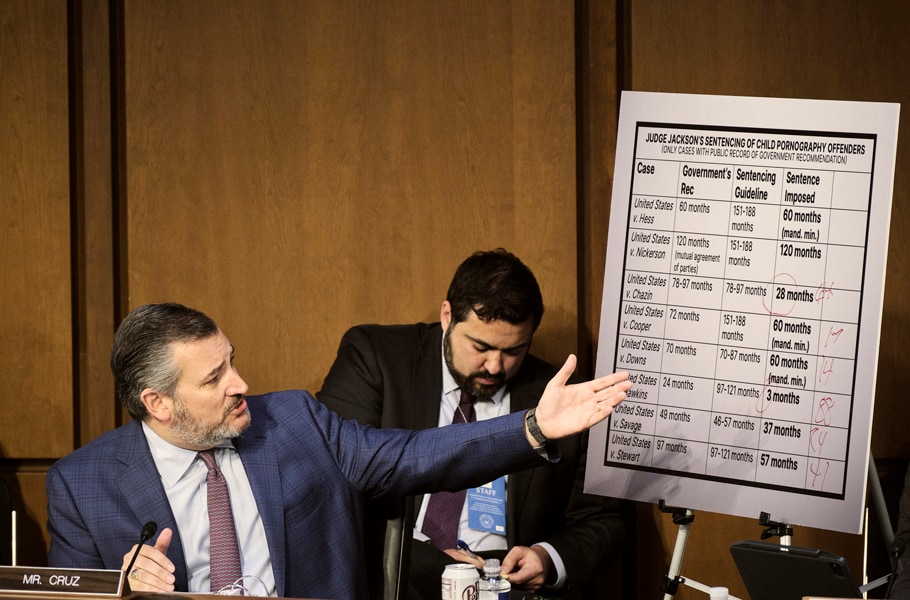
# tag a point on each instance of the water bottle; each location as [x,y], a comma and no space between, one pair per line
[492,586]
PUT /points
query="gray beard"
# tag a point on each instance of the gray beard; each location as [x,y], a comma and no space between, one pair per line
[194,434]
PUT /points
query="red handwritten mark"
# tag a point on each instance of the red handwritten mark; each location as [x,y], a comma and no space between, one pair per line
[823,412]
[819,470]
[823,292]
[778,291]
[833,334]
[827,367]
[817,439]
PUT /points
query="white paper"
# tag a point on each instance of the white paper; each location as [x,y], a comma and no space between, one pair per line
[743,292]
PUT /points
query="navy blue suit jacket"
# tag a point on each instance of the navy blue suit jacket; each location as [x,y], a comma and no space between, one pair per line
[310,471]
[391,376]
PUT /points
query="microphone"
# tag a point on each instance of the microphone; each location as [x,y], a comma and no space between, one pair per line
[148,530]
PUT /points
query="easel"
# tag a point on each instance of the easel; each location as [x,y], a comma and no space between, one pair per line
[683,517]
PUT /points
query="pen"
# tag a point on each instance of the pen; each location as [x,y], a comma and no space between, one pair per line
[462,545]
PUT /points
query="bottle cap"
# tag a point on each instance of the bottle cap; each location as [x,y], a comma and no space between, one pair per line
[491,565]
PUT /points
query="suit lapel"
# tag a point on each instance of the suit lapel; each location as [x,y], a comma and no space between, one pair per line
[260,462]
[427,378]
[140,485]
[423,400]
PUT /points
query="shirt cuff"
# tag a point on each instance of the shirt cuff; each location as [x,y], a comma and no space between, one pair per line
[549,452]
[557,564]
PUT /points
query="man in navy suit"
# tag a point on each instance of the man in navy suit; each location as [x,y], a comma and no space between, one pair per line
[552,536]
[297,474]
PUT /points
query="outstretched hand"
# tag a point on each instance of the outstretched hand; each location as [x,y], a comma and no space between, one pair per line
[567,409]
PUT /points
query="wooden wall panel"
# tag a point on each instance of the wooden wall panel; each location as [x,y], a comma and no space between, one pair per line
[36,358]
[599,60]
[30,503]
[817,49]
[93,227]
[296,168]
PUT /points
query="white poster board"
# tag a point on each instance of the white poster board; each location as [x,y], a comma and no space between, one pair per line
[743,293]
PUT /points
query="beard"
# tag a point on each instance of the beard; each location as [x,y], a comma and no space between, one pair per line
[469,382]
[197,434]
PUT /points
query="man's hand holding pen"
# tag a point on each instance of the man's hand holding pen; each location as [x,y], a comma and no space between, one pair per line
[463,553]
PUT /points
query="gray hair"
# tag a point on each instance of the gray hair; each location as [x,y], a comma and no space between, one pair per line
[141,357]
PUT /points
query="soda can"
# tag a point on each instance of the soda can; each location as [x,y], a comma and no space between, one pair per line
[459,582]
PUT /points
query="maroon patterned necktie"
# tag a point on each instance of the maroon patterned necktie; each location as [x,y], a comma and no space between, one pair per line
[443,515]
[224,553]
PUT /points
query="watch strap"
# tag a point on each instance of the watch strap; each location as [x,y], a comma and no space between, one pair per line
[534,428]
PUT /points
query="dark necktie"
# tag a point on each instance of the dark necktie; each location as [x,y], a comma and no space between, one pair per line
[224,555]
[443,515]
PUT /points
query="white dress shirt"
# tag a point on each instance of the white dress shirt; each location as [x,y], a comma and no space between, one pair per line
[183,478]
[485,408]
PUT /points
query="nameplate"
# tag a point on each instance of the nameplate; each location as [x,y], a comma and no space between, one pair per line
[50,580]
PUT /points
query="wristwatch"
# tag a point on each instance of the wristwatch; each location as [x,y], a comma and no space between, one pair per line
[533,428]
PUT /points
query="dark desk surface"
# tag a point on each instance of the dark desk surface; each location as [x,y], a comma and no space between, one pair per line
[128,596]
[516,595]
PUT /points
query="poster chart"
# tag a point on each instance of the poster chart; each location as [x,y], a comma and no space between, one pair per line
[743,293]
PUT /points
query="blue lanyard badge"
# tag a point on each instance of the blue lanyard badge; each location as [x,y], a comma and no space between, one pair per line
[487,507]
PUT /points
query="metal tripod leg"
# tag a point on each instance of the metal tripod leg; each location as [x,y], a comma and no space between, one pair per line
[682,517]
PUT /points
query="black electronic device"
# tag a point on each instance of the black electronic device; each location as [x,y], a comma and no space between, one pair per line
[778,572]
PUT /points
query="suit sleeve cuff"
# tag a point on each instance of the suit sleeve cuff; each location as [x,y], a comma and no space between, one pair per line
[549,452]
